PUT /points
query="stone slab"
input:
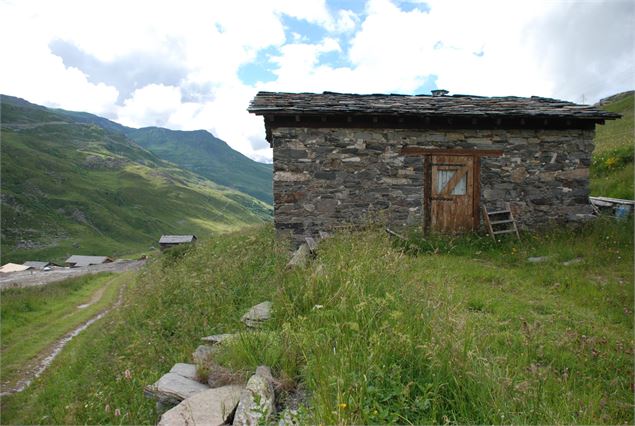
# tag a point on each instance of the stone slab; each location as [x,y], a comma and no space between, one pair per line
[257,400]
[180,383]
[211,408]
[257,314]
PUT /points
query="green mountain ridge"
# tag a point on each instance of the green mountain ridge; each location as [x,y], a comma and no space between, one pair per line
[203,153]
[196,150]
[75,183]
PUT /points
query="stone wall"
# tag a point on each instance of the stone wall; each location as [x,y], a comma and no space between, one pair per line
[327,177]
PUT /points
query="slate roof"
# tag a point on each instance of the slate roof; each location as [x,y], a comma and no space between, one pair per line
[176,239]
[423,105]
[79,260]
[36,264]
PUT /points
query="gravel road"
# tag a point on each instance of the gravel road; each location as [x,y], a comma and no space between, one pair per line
[36,278]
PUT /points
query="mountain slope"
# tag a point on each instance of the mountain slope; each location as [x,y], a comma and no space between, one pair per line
[612,168]
[208,156]
[73,187]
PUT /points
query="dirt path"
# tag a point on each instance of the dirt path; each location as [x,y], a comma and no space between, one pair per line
[96,297]
[39,364]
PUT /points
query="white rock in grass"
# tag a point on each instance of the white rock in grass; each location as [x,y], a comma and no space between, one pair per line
[217,338]
[211,407]
[538,259]
[257,314]
[256,400]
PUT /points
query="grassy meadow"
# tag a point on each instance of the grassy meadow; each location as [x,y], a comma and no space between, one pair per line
[32,319]
[612,166]
[440,331]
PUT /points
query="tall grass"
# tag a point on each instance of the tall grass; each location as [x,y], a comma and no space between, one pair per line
[469,333]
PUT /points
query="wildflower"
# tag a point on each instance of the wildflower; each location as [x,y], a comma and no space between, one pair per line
[316,307]
[117,412]
[342,406]
[611,162]
[127,374]
[107,408]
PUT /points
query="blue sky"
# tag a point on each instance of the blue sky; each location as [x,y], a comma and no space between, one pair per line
[196,65]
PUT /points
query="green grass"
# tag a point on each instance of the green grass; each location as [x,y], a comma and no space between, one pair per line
[33,318]
[76,188]
[466,331]
[612,166]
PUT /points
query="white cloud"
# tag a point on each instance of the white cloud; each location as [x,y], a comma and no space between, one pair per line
[494,47]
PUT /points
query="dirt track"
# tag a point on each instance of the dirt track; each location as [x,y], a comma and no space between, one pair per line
[36,278]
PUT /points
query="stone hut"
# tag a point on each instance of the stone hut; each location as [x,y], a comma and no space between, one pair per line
[168,241]
[430,161]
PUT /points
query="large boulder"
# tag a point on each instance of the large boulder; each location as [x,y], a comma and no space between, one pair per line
[257,315]
[257,400]
[212,407]
[172,388]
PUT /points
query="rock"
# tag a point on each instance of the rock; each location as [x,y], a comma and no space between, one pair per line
[217,338]
[212,407]
[300,257]
[172,388]
[572,261]
[203,354]
[256,400]
[186,370]
[538,259]
[257,314]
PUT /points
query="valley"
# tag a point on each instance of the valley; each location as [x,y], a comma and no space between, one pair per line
[73,183]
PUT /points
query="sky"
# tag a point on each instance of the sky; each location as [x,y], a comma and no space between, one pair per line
[192,65]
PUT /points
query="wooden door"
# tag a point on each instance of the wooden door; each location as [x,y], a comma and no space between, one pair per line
[453,189]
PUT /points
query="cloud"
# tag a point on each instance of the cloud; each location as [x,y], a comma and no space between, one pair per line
[157,63]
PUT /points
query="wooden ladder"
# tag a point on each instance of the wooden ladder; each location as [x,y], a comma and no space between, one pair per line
[500,222]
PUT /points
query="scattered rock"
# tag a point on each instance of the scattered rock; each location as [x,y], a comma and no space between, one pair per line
[217,338]
[203,354]
[573,261]
[211,407]
[538,259]
[172,388]
[256,400]
[300,257]
[257,315]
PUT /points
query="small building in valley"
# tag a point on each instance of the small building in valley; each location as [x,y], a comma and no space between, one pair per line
[428,161]
[167,241]
[39,265]
[13,267]
[77,261]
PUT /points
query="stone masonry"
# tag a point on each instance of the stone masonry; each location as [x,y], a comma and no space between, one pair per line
[328,177]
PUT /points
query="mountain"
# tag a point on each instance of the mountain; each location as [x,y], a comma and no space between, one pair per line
[208,156]
[75,183]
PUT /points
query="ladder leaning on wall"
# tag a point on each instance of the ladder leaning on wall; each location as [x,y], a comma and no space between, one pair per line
[500,221]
